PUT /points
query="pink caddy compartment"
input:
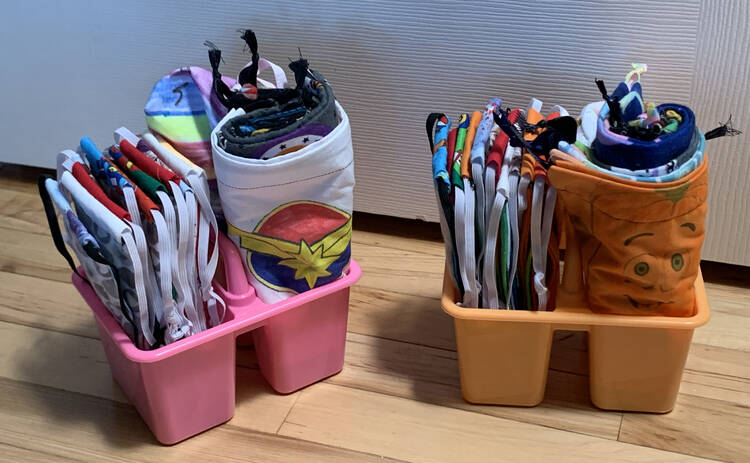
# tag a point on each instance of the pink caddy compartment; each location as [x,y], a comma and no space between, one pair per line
[188,387]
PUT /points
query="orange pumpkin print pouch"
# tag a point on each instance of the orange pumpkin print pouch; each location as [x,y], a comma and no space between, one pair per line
[640,243]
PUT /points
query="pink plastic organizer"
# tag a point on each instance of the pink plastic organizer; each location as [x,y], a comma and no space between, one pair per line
[187,387]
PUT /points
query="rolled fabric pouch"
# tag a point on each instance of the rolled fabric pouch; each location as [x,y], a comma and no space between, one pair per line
[248,135]
[291,215]
[639,243]
[631,153]
[183,110]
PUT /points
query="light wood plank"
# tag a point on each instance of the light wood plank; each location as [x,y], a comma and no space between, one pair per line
[32,254]
[730,318]
[414,319]
[69,426]
[698,426]
[717,373]
[431,375]
[257,406]
[58,360]
[42,303]
[419,432]
[22,211]
[14,453]
[400,271]
[390,232]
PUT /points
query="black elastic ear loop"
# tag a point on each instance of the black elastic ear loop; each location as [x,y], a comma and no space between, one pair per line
[430,126]
[95,254]
[501,119]
[54,226]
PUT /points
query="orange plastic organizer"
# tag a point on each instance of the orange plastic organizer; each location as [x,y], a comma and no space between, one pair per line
[635,362]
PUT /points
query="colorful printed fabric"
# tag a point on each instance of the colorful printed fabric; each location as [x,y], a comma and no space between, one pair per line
[615,148]
[694,154]
[145,203]
[82,175]
[477,160]
[183,110]
[280,129]
[443,189]
[154,170]
[463,127]
[145,182]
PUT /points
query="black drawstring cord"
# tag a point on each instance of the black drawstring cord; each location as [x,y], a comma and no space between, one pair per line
[249,74]
[615,113]
[723,130]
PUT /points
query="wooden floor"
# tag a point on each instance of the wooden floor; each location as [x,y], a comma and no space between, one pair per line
[397,399]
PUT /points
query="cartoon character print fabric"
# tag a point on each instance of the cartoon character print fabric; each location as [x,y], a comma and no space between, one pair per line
[298,246]
[640,247]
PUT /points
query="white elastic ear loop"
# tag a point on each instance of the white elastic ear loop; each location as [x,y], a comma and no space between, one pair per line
[559,109]
[477,174]
[459,220]
[132,205]
[538,254]
[216,298]
[190,256]
[177,326]
[206,265]
[171,218]
[488,261]
[445,231]
[183,280]
[490,268]
[278,72]
[489,192]
[472,292]
[142,248]
[143,315]
[514,219]
[547,219]
[523,187]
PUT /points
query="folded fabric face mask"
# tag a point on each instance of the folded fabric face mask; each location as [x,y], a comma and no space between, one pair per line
[278,130]
[674,169]
[118,245]
[101,274]
[438,128]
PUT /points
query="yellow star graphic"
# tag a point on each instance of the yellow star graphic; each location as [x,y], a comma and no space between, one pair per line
[310,263]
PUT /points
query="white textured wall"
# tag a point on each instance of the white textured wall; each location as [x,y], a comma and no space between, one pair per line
[84,67]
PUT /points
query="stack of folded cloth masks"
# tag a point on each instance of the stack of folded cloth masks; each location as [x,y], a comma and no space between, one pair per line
[631,178]
[279,161]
